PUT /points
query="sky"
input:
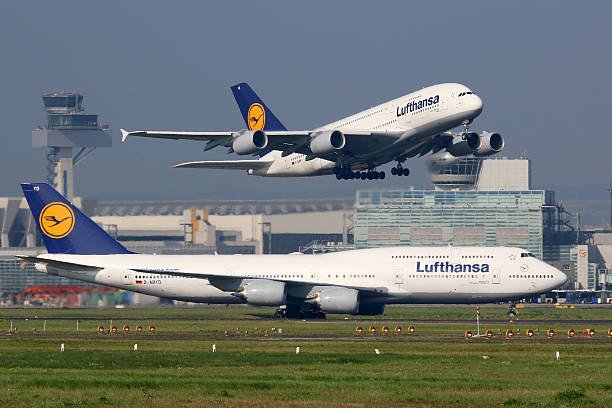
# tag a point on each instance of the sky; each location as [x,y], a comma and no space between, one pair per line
[541,68]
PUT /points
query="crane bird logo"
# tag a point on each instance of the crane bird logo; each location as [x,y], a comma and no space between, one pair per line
[256,117]
[56,220]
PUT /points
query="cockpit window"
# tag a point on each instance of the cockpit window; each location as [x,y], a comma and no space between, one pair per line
[527,254]
[466,93]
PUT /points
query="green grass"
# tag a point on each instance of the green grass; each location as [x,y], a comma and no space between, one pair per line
[175,367]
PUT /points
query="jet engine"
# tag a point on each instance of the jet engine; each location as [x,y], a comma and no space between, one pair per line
[464,144]
[262,292]
[491,143]
[327,142]
[250,141]
[338,300]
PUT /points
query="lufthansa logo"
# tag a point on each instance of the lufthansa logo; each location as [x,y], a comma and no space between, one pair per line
[256,117]
[56,220]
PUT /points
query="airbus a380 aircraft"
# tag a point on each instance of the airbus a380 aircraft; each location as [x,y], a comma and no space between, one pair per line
[414,124]
[351,282]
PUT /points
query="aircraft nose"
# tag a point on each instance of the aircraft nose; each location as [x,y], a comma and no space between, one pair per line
[560,278]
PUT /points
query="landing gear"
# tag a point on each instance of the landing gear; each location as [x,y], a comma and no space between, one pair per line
[359,175]
[399,170]
[295,312]
[466,129]
[512,312]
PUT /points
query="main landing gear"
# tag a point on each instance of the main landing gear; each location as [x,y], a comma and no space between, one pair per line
[399,170]
[360,175]
[285,312]
[466,129]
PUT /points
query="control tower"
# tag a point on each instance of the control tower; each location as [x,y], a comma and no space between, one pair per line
[477,173]
[67,128]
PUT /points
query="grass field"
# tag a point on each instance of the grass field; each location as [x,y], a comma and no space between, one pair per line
[175,366]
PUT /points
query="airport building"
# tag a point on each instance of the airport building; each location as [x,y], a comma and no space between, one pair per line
[462,218]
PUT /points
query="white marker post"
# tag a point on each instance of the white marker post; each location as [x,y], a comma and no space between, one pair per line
[45,326]
[558,356]
[297,350]
[214,348]
[77,326]
[135,346]
[62,348]
[376,351]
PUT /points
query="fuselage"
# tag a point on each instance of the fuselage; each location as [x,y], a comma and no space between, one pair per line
[420,116]
[396,274]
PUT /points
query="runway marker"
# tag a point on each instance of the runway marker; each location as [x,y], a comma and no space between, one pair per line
[558,356]
[214,348]
[135,346]
[297,350]
[62,347]
[376,351]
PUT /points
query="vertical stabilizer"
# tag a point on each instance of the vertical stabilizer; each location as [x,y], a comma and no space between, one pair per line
[256,114]
[63,227]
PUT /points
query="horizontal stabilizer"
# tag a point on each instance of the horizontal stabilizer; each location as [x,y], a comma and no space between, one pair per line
[226,164]
[60,264]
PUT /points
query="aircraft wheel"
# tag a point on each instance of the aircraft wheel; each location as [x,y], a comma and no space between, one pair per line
[394,171]
[381,175]
[406,172]
[364,175]
[338,176]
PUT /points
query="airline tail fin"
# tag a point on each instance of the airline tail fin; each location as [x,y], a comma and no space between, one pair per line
[64,228]
[255,113]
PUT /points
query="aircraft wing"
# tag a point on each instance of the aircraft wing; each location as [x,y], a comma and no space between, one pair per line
[226,164]
[371,291]
[358,142]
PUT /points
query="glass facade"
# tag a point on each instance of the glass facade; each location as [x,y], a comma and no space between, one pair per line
[72,120]
[428,217]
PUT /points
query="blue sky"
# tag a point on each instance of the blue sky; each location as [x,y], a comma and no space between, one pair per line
[541,68]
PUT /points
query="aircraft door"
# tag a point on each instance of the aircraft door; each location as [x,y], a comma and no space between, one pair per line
[127,277]
[495,275]
[455,257]
[399,277]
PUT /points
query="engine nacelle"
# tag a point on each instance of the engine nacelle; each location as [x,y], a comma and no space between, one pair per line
[491,143]
[338,300]
[464,144]
[327,142]
[250,141]
[262,292]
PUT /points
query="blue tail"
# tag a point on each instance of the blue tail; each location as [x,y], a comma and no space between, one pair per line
[64,228]
[255,113]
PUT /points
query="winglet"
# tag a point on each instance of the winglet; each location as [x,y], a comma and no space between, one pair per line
[124,135]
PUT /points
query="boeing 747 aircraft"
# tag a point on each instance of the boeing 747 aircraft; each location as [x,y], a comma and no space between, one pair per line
[359,282]
[352,147]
